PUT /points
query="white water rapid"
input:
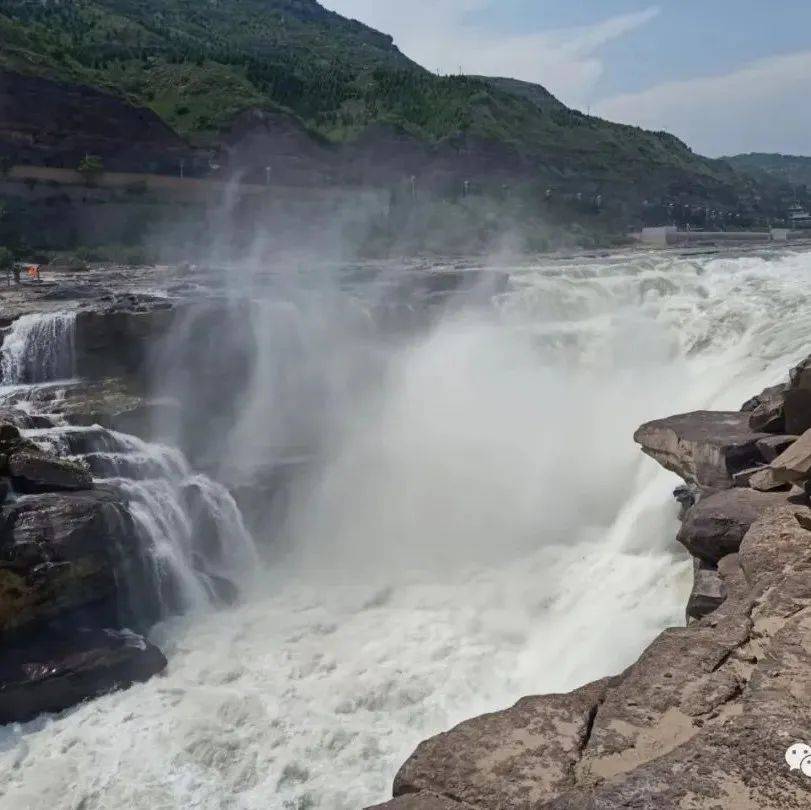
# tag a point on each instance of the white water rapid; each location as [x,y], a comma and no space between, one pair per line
[480,529]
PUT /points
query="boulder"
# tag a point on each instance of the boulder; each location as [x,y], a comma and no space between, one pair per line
[33,472]
[55,673]
[716,525]
[705,447]
[768,416]
[796,411]
[70,553]
[773,446]
[794,464]
[9,434]
[708,593]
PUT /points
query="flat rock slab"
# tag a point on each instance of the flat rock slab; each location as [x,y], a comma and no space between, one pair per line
[704,447]
[55,674]
[716,525]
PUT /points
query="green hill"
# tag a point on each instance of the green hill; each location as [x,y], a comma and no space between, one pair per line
[792,169]
[198,65]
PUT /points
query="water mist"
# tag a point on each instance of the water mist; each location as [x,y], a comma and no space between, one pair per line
[471,522]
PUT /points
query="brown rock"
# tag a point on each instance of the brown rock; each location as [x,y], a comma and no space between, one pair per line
[704,447]
[794,464]
[512,758]
[716,525]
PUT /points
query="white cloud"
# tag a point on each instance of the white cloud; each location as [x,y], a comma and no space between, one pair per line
[438,35]
[764,106]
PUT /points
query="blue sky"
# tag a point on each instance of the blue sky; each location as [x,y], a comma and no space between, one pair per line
[726,76]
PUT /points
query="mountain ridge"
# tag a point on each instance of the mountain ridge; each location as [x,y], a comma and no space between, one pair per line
[205,70]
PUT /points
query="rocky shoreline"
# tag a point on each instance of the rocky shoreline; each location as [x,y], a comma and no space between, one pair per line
[704,717]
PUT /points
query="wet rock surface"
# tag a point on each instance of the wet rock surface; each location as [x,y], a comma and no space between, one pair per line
[54,673]
[62,553]
[34,472]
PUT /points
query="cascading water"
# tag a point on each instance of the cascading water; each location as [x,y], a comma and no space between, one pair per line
[39,348]
[479,527]
[191,531]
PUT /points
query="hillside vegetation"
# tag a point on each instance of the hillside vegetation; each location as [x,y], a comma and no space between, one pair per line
[792,169]
[198,64]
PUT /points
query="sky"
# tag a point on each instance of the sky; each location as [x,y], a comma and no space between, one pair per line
[726,76]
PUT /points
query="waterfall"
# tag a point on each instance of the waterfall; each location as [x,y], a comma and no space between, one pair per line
[39,348]
[193,539]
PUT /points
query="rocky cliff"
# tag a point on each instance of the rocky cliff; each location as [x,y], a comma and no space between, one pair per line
[102,533]
[705,716]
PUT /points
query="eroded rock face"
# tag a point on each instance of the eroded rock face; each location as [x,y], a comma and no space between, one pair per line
[705,447]
[57,672]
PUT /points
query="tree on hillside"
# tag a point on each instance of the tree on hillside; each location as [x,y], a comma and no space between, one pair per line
[91,167]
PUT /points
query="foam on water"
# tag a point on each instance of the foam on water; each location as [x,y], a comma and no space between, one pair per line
[484,528]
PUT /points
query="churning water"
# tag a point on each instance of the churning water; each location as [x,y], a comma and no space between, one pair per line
[480,527]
